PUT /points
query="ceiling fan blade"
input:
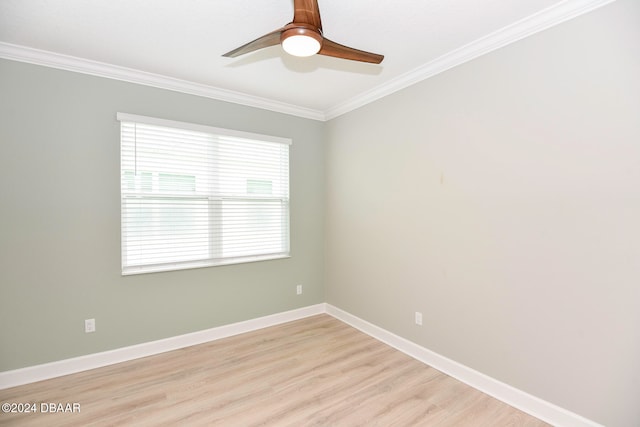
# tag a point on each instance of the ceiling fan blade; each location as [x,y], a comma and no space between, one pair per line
[267,40]
[330,48]
[307,12]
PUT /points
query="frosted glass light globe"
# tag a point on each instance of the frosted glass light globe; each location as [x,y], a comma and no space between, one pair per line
[300,45]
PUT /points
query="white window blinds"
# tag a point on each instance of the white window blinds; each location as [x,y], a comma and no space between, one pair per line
[195,196]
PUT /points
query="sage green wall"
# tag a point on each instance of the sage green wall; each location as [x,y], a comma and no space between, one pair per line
[60,221]
[502,200]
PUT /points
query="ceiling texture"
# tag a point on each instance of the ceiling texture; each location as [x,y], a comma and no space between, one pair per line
[178,44]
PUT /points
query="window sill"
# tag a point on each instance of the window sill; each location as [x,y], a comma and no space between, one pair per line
[130,271]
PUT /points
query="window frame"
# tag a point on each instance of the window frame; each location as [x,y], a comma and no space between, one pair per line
[216,132]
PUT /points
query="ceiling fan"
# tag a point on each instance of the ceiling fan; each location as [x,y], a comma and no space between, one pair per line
[303,37]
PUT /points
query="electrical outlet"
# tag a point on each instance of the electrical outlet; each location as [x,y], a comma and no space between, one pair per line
[418,318]
[299,290]
[89,325]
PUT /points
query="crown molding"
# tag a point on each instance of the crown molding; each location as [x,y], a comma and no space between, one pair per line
[101,69]
[525,27]
[530,25]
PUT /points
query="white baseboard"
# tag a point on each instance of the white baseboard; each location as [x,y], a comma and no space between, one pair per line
[82,363]
[532,405]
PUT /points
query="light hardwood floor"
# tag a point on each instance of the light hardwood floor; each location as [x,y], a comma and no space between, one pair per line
[312,372]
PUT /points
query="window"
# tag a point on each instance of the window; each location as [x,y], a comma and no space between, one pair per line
[196,196]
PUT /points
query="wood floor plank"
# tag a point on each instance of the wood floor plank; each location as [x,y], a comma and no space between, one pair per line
[316,371]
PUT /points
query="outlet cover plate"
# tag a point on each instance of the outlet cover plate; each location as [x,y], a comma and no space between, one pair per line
[89,325]
[418,318]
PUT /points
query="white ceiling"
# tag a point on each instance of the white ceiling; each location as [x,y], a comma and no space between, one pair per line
[180,42]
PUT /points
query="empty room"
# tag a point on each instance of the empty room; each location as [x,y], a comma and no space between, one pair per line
[292,213]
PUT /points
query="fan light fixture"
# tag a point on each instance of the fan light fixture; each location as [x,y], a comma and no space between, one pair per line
[300,41]
[301,46]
